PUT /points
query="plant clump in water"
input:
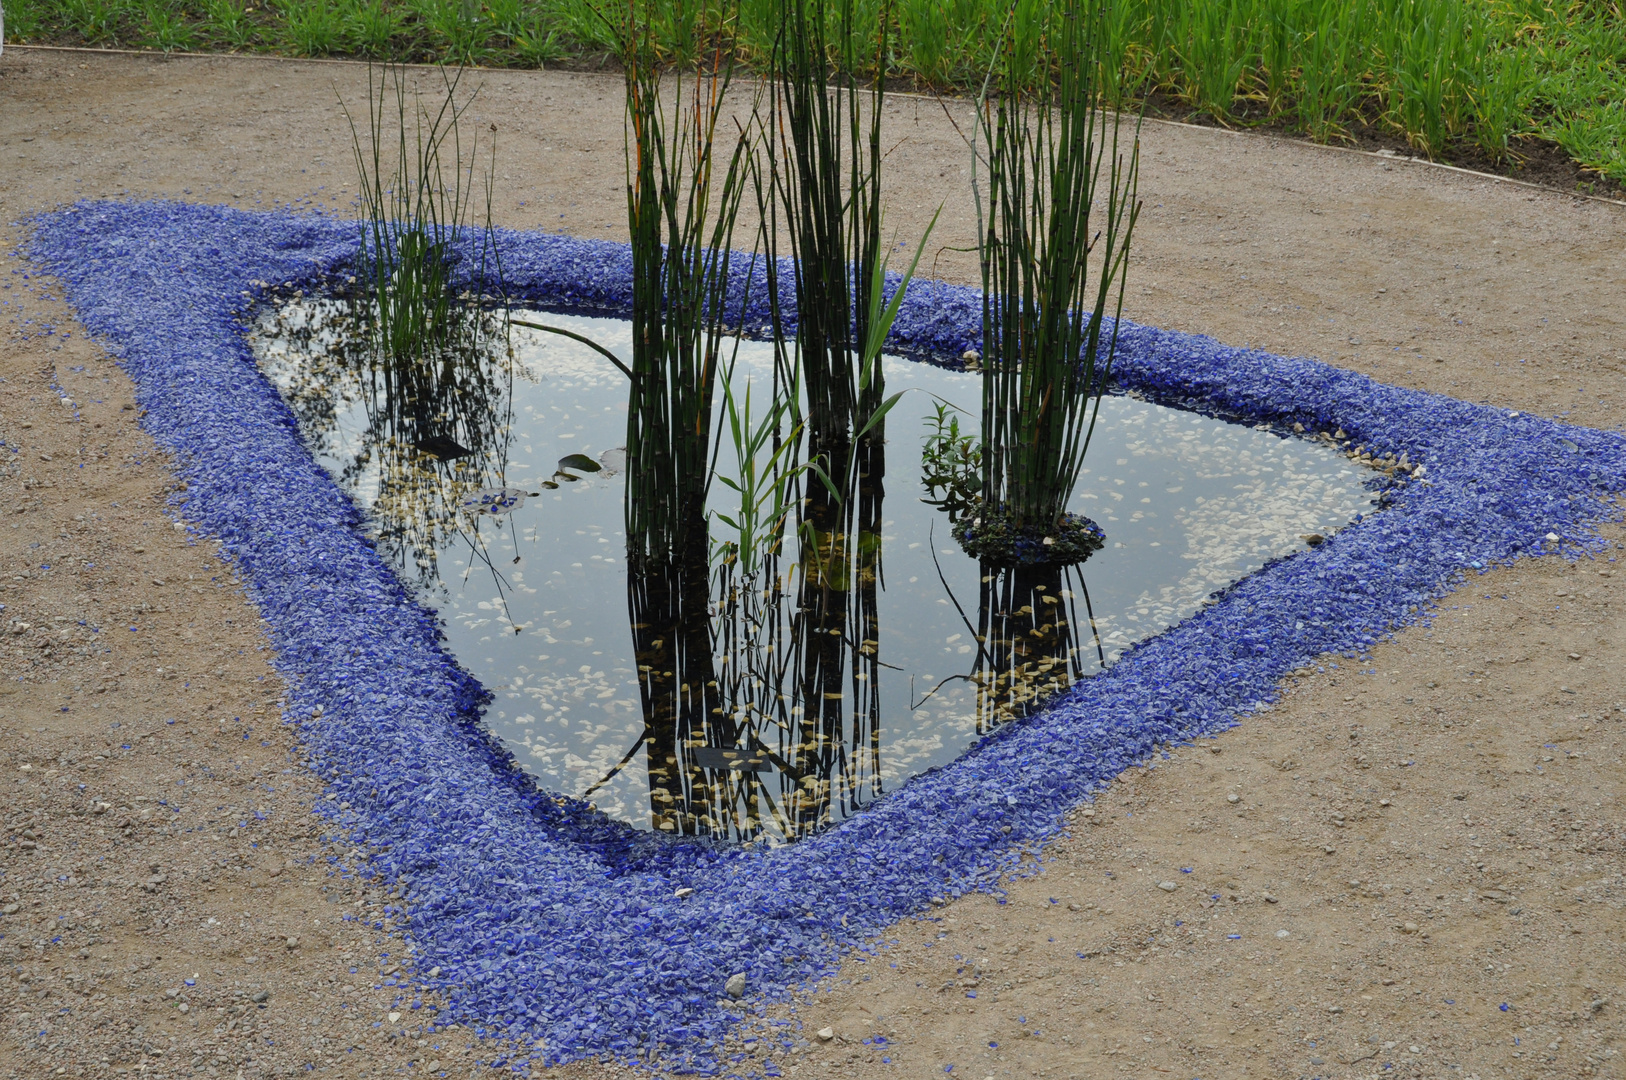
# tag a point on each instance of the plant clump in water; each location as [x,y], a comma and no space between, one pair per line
[422,265]
[754,687]
[1059,194]
[997,539]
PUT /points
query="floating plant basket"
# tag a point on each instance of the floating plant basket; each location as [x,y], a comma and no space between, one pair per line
[538,919]
[991,538]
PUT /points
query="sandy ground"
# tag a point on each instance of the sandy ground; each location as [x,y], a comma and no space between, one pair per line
[1417,873]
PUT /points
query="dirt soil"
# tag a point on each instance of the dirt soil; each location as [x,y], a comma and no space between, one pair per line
[1417,873]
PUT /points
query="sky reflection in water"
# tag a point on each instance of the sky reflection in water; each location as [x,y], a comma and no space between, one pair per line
[879,666]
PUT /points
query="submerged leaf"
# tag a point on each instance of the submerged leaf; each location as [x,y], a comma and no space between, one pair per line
[579,462]
[443,447]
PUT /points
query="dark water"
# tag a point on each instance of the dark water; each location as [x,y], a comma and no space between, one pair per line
[694,700]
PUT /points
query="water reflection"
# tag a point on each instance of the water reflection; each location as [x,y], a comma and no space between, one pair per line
[838,645]
[669,603]
[769,705]
[761,692]
[1031,642]
[434,427]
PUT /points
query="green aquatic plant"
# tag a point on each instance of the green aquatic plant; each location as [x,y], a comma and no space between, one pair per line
[1058,199]
[823,154]
[426,345]
[682,204]
[418,197]
[951,464]
[669,607]
[1031,641]
[766,477]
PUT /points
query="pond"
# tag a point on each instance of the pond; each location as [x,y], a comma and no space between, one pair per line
[871,649]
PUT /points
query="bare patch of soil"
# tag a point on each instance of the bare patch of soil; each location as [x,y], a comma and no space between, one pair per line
[1435,841]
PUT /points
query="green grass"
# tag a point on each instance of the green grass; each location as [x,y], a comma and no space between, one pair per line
[1459,79]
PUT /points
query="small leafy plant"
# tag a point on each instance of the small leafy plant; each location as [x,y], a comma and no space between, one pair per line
[766,480]
[951,464]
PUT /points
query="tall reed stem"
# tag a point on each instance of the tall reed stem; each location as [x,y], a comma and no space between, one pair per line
[417,200]
[824,153]
[681,217]
[1054,170]
[424,346]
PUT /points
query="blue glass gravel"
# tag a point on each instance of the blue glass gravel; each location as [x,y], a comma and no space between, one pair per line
[548,921]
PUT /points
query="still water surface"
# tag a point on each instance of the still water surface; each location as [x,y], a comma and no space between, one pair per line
[817,687]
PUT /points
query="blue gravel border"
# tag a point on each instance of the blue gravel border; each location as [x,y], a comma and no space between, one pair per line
[549,922]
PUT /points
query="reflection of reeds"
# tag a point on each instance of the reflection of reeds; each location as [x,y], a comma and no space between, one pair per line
[782,663]
[1044,358]
[669,602]
[1031,644]
[835,744]
[435,427]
